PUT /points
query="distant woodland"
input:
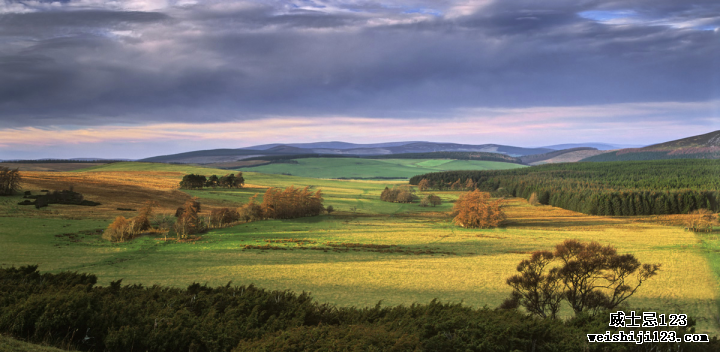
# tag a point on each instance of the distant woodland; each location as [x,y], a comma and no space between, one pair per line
[609,188]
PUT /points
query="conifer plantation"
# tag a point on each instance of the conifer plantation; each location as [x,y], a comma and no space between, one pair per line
[608,188]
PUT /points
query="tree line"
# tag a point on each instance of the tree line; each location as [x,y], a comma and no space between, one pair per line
[619,188]
[193,181]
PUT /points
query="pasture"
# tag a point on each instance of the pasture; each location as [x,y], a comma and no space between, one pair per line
[365,252]
[357,168]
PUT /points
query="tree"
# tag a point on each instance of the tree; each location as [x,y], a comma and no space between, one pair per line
[475,210]
[125,229]
[534,199]
[193,181]
[188,221]
[539,292]
[456,185]
[470,185]
[423,185]
[398,194]
[589,276]
[9,181]
[251,211]
[700,220]
[223,216]
[291,203]
[212,181]
[118,230]
[239,180]
[329,209]
[424,202]
[434,200]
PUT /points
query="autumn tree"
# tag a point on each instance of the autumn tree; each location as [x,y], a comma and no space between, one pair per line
[123,229]
[251,211]
[423,185]
[141,222]
[223,216]
[9,181]
[470,184]
[701,220]
[398,194]
[588,276]
[188,221]
[291,203]
[118,230]
[475,210]
[534,199]
[456,185]
[434,200]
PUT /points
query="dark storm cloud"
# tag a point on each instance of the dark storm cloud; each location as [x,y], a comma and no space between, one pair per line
[223,61]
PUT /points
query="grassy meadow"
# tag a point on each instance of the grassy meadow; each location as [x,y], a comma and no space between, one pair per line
[374,168]
[367,251]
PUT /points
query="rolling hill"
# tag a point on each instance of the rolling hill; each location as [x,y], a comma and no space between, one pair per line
[338,148]
[362,168]
[704,146]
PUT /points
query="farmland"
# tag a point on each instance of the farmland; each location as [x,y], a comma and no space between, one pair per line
[354,168]
[365,252]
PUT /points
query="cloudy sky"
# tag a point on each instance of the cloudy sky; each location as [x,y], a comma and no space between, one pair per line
[137,78]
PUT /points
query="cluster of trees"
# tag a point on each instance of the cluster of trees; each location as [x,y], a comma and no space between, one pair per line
[590,277]
[123,229]
[398,194]
[66,196]
[193,181]
[617,188]
[476,210]
[9,181]
[277,204]
[291,203]
[430,199]
[701,220]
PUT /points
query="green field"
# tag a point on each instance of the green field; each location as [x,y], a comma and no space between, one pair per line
[374,168]
[367,251]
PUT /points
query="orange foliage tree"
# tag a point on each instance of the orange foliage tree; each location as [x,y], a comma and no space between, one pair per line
[188,221]
[125,229]
[475,210]
[291,203]
[423,185]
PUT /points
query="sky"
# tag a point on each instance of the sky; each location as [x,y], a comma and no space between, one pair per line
[139,78]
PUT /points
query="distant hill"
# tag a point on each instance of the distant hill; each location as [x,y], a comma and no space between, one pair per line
[560,156]
[338,148]
[598,146]
[704,146]
[331,145]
